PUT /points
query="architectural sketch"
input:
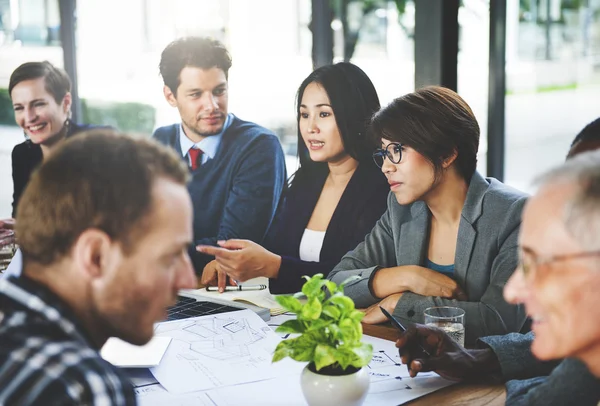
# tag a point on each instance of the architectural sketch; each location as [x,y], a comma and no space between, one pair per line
[216,350]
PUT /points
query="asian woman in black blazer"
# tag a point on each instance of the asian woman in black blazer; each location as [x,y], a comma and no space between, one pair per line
[335,198]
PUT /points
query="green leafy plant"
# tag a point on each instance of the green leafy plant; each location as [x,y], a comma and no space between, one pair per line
[329,328]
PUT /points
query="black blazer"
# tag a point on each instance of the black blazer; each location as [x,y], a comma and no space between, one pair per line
[26,156]
[361,205]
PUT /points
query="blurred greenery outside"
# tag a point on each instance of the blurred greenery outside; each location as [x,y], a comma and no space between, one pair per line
[124,116]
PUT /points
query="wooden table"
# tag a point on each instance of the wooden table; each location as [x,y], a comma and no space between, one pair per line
[459,394]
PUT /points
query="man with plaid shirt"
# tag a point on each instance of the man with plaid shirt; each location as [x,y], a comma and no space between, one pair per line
[104,226]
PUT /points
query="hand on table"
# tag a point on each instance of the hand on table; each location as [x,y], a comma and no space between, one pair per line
[448,359]
[213,275]
[243,259]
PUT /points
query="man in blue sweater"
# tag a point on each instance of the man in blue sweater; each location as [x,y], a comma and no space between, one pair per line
[237,167]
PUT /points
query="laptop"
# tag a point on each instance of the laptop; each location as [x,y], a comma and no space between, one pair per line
[190,304]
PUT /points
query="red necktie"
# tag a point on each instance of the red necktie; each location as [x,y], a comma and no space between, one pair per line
[195,157]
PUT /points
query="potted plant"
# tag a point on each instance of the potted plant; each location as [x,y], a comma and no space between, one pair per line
[329,340]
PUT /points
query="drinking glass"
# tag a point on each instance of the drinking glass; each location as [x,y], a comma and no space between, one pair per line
[449,319]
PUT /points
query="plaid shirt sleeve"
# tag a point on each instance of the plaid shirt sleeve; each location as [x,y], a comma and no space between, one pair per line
[44,358]
[40,372]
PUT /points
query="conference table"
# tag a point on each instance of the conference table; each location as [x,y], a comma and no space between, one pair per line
[459,394]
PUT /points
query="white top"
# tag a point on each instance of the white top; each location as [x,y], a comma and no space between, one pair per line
[310,245]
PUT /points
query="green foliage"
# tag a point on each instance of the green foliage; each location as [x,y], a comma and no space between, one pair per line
[133,117]
[328,324]
[7,116]
[128,117]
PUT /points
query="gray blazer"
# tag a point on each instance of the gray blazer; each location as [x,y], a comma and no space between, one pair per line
[486,256]
[534,382]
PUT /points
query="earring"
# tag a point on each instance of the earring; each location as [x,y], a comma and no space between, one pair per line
[67,127]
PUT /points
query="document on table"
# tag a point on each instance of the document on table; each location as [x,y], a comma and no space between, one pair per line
[125,355]
[390,384]
[220,350]
[156,395]
[261,298]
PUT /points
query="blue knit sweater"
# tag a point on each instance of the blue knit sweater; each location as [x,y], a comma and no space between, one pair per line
[235,194]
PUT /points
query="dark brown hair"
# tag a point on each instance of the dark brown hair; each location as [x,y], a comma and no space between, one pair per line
[100,179]
[56,80]
[434,121]
[353,99]
[199,52]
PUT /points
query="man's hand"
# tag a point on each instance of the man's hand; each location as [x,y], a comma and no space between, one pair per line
[448,359]
[243,259]
[7,234]
[7,224]
[213,275]
[374,315]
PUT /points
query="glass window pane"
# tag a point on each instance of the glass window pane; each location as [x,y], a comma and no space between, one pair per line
[381,40]
[29,31]
[553,82]
[473,66]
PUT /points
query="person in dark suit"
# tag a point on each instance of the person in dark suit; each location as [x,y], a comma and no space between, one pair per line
[41,97]
[335,197]
[509,358]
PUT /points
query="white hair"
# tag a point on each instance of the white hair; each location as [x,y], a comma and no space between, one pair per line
[581,215]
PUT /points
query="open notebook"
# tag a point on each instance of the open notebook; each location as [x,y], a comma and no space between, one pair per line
[262,298]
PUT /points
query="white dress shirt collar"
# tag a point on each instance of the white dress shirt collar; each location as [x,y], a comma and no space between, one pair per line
[208,145]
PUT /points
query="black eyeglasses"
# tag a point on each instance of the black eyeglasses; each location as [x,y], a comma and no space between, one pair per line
[393,152]
[530,261]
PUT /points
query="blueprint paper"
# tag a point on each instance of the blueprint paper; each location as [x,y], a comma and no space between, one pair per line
[226,360]
[285,391]
[156,395]
[390,384]
[213,351]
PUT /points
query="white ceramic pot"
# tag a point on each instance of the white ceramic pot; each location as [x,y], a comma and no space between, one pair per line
[327,390]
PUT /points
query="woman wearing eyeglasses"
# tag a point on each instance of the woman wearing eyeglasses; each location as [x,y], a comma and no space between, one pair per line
[335,197]
[449,236]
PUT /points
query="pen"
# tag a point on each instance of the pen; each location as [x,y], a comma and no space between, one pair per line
[400,327]
[237,288]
